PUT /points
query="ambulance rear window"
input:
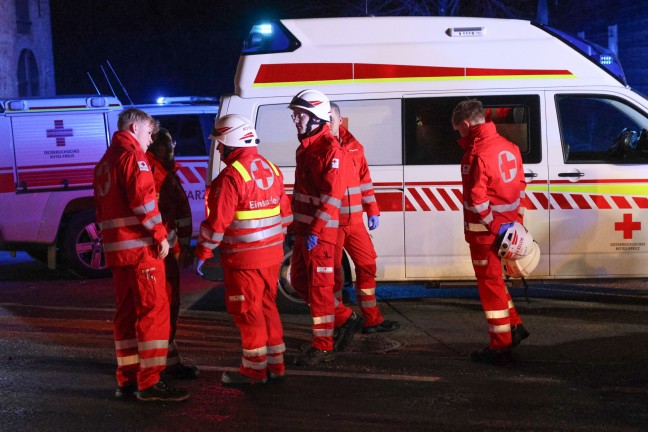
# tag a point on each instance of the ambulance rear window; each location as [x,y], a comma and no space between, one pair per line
[602,57]
[269,37]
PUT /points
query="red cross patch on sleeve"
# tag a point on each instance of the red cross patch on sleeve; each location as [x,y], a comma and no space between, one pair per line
[142,166]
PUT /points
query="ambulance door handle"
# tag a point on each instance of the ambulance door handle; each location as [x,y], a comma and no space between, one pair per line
[571,174]
[530,175]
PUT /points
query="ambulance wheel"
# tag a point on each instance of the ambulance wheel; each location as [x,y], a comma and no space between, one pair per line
[287,299]
[83,247]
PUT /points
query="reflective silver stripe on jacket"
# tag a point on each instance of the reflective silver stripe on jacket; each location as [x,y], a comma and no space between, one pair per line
[287,220]
[256,236]
[152,221]
[306,198]
[255,223]
[330,200]
[145,208]
[478,208]
[210,235]
[366,186]
[351,209]
[119,222]
[309,219]
[368,199]
[172,238]
[128,244]
[354,190]
[124,344]
[506,207]
[323,215]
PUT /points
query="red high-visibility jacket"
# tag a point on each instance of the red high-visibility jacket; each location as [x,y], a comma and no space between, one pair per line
[359,194]
[249,213]
[172,202]
[493,181]
[127,212]
[319,186]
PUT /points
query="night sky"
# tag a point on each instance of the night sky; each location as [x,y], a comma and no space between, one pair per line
[157,47]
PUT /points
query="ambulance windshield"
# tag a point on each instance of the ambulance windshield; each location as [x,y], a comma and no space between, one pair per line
[603,57]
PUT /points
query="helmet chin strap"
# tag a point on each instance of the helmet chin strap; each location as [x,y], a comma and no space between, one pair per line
[227,150]
[313,123]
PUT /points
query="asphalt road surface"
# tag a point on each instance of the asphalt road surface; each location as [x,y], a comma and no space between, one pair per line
[584,367]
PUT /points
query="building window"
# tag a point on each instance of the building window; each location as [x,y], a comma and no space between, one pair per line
[28,82]
[23,22]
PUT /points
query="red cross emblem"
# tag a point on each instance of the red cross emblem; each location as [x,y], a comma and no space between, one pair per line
[627,226]
[59,132]
[507,166]
[103,179]
[262,174]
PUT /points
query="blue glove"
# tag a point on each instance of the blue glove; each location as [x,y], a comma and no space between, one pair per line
[311,241]
[198,263]
[372,222]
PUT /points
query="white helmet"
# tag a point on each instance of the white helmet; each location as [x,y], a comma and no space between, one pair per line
[234,130]
[516,243]
[524,266]
[314,102]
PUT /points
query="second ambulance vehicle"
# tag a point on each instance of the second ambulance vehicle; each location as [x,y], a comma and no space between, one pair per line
[563,101]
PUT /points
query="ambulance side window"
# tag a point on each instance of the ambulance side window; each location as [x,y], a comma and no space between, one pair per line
[601,129]
[375,123]
[190,131]
[430,139]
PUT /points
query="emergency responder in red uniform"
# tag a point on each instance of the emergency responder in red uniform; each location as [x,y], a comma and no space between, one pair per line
[135,244]
[318,191]
[493,192]
[352,235]
[176,217]
[249,213]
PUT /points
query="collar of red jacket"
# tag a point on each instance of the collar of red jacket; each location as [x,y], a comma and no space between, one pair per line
[346,137]
[315,135]
[239,153]
[477,133]
[125,140]
[169,165]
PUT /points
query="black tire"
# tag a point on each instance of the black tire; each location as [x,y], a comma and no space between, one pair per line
[82,246]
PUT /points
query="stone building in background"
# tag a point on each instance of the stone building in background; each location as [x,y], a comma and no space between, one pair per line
[26,59]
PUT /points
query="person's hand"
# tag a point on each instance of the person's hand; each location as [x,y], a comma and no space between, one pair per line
[500,234]
[290,240]
[372,222]
[198,263]
[163,249]
[311,241]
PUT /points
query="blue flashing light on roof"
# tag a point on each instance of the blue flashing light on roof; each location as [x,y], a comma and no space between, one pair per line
[603,57]
[269,37]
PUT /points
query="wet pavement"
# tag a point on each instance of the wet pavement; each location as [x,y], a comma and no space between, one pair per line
[584,367]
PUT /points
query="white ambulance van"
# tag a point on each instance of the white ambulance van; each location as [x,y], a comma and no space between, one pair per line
[48,151]
[562,100]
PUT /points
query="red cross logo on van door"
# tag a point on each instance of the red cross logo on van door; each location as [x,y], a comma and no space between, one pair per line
[507,166]
[262,174]
[59,132]
[627,226]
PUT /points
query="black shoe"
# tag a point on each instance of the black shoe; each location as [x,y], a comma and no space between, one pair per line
[236,378]
[276,378]
[181,371]
[162,392]
[126,392]
[347,331]
[383,327]
[518,334]
[314,357]
[490,356]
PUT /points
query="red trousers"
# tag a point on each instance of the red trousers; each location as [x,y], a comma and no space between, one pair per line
[311,274]
[495,298]
[141,322]
[172,273]
[250,297]
[357,242]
